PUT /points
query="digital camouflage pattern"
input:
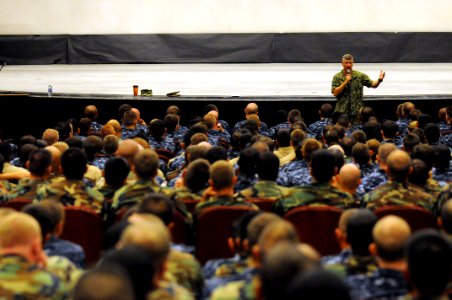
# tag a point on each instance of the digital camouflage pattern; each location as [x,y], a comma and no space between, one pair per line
[294,173]
[133,193]
[26,188]
[316,128]
[169,291]
[354,265]
[222,200]
[264,189]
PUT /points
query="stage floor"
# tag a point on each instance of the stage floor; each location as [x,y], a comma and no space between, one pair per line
[270,80]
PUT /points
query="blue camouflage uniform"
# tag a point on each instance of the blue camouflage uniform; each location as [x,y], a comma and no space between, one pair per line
[263,129]
[443,176]
[95,127]
[218,137]
[446,140]
[294,173]
[375,179]
[402,124]
[166,143]
[58,247]
[274,129]
[244,182]
[368,169]
[128,133]
[316,128]
[337,258]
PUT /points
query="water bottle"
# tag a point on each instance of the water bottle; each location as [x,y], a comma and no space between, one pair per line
[49,90]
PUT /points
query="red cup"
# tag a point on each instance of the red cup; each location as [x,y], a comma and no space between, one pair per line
[135,90]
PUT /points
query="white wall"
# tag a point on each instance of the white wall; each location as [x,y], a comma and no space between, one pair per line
[222,16]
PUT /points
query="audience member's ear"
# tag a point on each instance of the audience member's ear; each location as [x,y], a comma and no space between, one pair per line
[27,164]
[59,228]
[256,253]
[170,226]
[373,249]
[234,180]
[338,234]
[440,222]
[38,255]
[231,244]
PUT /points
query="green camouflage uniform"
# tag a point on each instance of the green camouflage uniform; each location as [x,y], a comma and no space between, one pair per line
[238,290]
[314,194]
[351,98]
[72,192]
[445,195]
[65,270]
[186,271]
[133,193]
[222,200]
[21,279]
[354,265]
[394,193]
[169,291]
[26,188]
[264,189]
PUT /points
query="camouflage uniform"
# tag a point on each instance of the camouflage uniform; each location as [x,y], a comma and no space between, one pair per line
[313,194]
[443,176]
[96,127]
[264,189]
[355,265]
[187,272]
[169,291]
[21,279]
[57,247]
[375,179]
[366,170]
[273,131]
[338,258]
[230,272]
[263,130]
[351,99]
[25,188]
[225,125]
[176,163]
[382,284]
[445,195]
[444,127]
[211,266]
[316,128]
[244,182]
[128,133]
[233,153]
[222,200]
[394,193]
[294,173]
[402,124]
[446,140]
[243,289]
[72,192]
[218,138]
[17,162]
[133,193]
[65,270]
[100,160]
[166,143]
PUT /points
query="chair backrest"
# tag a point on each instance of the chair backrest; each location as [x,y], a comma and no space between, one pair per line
[264,204]
[180,231]
[417,217]
[316,225]
[17,203]
[213,229]
[83,226]
[190,204]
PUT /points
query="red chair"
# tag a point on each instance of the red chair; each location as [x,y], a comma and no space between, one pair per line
[190,204]
[315,226]
[83,226]
[17,203]
[180,231]
[417,217]
[213,230]
[264,204]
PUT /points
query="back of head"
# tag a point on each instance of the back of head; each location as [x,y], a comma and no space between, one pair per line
[283,137]
[322,166]
[216,153]
[424,152]
[296,137]
[347,144]
[267,166]
[39,162]
[104,283]
[248,161]
[326,110]
[157,128]
[365,113]
[310,145]
[129,118]
[331,137]
[171,121]
[251,108]
[158,205]
[420,172]
[139,266]
[384,150]
[359,136]
[18,230]
[110,144]
[359,231]
[281,264]
[210,120]
[343,120]
[423,120]
[107,129]
[407,108]
[257,226]
[252,126]
[195,152]
[84,126]
[349,177]
[51,136]
[92,145]
[429,262]
[43,216]
[221,175]
[25,150]
[197,175]
[410,141]
[389,129]
[390,235]
[277,232]
[73,163]
[432,133]
[372,130]
[361,154]
[318,284]
[442,157]
[74,142]
[116,171]
[294,116]
[173,109]
[91,112]
[146,164]
[398,165]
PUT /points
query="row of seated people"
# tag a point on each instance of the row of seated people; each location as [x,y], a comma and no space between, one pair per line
[379,259]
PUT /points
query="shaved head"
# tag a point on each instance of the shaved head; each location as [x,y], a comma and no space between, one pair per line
[128,149]
[390,234]
[399,163]
[18,230]
[251,108]
[349,177]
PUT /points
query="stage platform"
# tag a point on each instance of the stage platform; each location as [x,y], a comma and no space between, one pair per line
[273,86]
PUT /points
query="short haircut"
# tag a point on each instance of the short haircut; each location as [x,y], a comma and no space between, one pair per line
[84,126]
[398,165]
[73,162]
[110,144]
[283,137]
[92,145]
[429,258]
[197,175]
[442,157]
[42,216]
[248,161]
[338,158]
[359,136]
[424,152]
[146,164]
[326,110]
[389,129]
[216,153]
[310,145]
[74,142]
[361,154]
[157,128]
[25,151]
[322,166]
[129,118]
[410,141]
[221,175]
[116,171]
[432,133]
[159,205]
[347,57]
[294,116]
[171,122]
[347,144]
[359,231]
[40,160]
[257,226]
[420,173]
[267,166]
[297,136]
[331,137]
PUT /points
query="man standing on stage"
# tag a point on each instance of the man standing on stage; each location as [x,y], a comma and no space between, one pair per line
[347,87]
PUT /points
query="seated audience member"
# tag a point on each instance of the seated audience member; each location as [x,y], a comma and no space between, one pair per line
[23,155]
[221,190]
[72,190]
[320,191]
[213,109]
[359,235]
[389,132]
[146,164]
[267,170]
[283,143]
[445,220]
[84,127]
[443,126]
[9,171]
[390,235]
[432,134]
[141,124]
[110,144]
[158,138]
[442,172]
[318,284]
[129,125]
[341,237]
[296,172]
[362,158]
[316,128]
[92,146]
[216,134]
[91,113]
[51,136]
[55,171]
[421,177]
[429,258]
[246,172]
[283,121]
[104,283]
[195,181]
[216,153]
[297,137]
[251,109]
[404,117]
[21,261]
[410,141]
[348,180]
[359,136]
[116,126]
[398,191]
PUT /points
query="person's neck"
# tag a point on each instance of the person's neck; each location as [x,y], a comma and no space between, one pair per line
[226,192]
[399,265]
[18,251]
